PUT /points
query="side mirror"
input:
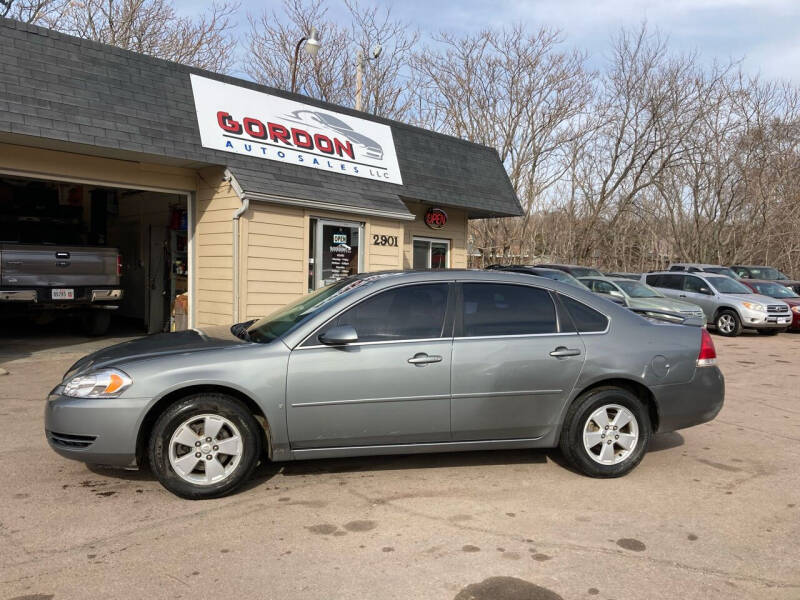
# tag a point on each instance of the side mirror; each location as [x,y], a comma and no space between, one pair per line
[339,336]
[705,290]
[616,294]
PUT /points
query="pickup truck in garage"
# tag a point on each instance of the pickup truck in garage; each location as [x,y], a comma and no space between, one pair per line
[45,281]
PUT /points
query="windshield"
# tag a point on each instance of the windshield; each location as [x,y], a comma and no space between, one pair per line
[766,273]
[722,271]
[634,289]
[774,290]
[726,285]
[282,320]
[585,272]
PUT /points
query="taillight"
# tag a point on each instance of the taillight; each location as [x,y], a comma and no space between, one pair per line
[119,265]
[708,354]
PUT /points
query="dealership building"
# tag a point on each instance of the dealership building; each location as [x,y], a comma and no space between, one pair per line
[241,196]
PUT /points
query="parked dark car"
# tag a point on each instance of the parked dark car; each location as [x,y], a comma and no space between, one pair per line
[774,289]
[554,274]
[767,274]
[391,363]
[577,271]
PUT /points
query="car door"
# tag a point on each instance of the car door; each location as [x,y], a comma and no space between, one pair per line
[514,364]
[670,284]
[392,386]
[699,293]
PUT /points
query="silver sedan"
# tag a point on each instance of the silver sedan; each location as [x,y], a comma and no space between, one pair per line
[390,363]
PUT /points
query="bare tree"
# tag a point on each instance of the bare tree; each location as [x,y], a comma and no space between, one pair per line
[518,92]
[147,26]
[330,76]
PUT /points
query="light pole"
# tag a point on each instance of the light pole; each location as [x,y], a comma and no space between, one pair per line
[312,46]
[360,60]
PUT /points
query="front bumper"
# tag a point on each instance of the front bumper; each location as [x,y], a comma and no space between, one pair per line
[94,430]
[687,404]
[760,320]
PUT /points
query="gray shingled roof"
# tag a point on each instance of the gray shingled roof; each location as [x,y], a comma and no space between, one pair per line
[64,88]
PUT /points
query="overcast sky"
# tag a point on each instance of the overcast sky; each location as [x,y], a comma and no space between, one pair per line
[765,33]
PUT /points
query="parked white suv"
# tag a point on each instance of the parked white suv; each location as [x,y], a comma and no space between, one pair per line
[729,306]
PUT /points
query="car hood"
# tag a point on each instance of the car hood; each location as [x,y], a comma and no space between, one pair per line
[752,298]
[179,342]
[667,304]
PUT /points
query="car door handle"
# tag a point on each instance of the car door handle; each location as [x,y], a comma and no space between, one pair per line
[422,359]
[563,351]
[681,295]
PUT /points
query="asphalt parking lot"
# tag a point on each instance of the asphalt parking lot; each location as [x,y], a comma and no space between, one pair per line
[712,512]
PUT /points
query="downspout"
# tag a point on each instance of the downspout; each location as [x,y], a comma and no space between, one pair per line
[236,216]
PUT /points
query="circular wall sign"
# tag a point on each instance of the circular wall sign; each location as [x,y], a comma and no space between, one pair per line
[435,218]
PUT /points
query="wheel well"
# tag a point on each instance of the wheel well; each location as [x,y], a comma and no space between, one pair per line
[721,308]
[159,407]
[639,390]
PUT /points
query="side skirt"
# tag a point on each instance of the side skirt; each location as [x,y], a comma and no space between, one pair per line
[422,448]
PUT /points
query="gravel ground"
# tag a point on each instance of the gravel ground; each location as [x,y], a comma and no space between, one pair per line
[712,511]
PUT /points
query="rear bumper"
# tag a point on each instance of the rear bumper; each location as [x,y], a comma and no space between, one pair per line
[87,295]
[687,404]
[97,431]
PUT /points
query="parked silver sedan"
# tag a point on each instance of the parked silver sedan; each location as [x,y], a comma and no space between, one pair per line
[390,363]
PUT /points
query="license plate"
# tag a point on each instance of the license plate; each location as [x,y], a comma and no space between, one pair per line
[62,294]
[783,320]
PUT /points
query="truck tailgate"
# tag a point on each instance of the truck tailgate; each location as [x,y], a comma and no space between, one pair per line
[62,266]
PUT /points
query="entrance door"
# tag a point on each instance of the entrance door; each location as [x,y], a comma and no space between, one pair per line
[338,251]
[391,387]
[512,367]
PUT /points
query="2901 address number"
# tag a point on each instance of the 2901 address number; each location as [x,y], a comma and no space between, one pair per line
[384,240]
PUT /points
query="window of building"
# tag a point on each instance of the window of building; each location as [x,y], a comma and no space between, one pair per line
[335,251]
[431,253]
[501,309]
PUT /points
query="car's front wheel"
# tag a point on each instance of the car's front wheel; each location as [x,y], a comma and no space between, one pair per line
[606,432]
[205,446]
[728,323]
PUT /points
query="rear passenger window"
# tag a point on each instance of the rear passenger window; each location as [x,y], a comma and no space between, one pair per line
[586,319]
[654,280]
[672,282]
[498,309]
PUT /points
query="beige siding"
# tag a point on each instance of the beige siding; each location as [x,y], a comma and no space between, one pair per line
[274,258]
[455,232]
[216,203]
[378,257]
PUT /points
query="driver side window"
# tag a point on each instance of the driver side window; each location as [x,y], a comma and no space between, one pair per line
[696,286]
[411,312]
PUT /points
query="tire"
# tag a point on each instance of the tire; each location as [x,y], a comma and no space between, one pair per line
[96,322]
[180,470]
[581,419]
[728,323]
[770,331]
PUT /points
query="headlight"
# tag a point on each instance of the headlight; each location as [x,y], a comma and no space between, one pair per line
[105,383]
[754,306]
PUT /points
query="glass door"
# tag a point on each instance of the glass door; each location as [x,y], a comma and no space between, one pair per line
[431,253]
[338,250]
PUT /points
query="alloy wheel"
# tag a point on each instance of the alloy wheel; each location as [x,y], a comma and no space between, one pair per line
[726,324]
[205,449]
[610,434]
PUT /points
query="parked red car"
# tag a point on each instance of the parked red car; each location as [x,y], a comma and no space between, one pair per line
[774,289]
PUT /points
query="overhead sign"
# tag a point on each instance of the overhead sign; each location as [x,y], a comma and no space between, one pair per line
[243,121]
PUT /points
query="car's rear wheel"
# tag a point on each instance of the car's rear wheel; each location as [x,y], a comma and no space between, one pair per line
[205,446]
[606,432]
[728,323]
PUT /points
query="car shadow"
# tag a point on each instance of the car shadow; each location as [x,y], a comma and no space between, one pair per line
[267,470]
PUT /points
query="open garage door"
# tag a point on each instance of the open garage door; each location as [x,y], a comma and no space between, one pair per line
[95,255]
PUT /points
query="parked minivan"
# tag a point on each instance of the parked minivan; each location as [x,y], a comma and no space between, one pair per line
[729,306]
